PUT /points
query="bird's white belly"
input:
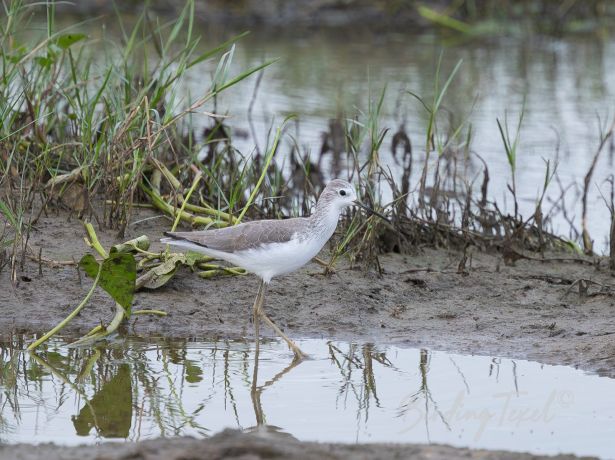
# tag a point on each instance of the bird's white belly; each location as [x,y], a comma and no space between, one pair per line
[276,259]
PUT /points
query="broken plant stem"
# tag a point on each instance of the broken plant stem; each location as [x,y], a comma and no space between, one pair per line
[103,332]
[66,320]
[94,330]
[150,312]
[195,182]
[165,207]
[229,270]
[93,240]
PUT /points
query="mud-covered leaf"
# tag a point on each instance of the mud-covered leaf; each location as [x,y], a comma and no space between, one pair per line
[161,274]
[191,258]
[67,40]
[117,277]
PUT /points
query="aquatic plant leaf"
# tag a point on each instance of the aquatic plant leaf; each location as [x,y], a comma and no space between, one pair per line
[117,277]
[19,51]
[89,264]
[67,40]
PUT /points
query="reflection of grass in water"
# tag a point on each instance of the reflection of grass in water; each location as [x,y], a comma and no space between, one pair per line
[363,389]
[424,393]
[122,385]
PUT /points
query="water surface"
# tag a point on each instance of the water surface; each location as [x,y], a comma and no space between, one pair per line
[134,389]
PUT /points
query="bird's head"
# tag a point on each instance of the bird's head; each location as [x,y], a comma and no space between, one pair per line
[339,193]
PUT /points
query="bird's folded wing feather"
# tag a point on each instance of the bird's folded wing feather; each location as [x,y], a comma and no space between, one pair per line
[244,236]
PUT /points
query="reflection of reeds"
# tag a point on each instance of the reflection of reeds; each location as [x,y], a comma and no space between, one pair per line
[360,358]
[425,394]
[120,385]
[605,135]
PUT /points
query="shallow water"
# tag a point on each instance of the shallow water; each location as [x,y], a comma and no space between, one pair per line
[134,389]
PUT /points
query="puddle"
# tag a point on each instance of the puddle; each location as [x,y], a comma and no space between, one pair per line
[137,390]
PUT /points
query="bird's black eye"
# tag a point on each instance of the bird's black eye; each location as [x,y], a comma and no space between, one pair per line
[343,192]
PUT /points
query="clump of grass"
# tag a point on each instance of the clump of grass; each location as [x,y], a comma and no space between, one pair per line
[79,121]
[605,135]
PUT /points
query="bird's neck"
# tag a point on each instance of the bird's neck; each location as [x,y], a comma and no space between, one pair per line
[324,219]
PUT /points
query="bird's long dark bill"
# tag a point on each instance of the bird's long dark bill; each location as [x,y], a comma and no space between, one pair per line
[370,210]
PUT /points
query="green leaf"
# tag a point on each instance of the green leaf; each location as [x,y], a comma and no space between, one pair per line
[6,211]
[44,62]
[89,265]
[68,40]
[216,50]
[117,277]
[444,20]
[18,54]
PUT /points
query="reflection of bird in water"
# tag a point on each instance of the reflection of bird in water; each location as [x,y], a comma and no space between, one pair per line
[255,393]
[269,248]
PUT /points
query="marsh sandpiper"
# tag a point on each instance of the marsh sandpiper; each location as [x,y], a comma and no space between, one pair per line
[269,248]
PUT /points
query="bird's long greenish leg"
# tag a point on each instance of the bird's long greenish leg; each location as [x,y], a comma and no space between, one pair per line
[296,350]
[258,302]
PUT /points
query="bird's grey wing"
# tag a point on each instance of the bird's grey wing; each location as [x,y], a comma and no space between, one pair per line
[244,236]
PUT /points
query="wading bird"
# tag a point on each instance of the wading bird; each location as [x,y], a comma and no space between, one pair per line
[269,248]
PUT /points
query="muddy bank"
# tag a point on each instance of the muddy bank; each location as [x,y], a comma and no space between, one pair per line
[377,15]
[236,445]
[531,310]
[312,14]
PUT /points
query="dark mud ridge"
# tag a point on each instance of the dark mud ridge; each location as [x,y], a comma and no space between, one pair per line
[272,13]
[533,310]
[236,445]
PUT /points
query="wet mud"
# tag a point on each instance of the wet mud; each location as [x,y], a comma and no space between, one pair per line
[236,445]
